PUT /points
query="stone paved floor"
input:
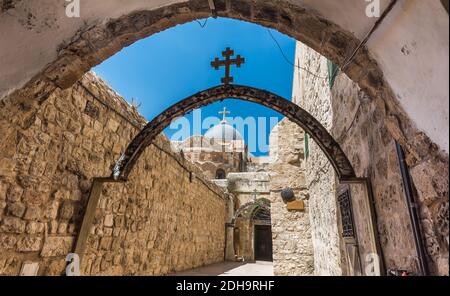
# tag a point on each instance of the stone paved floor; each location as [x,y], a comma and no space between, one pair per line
[258,268]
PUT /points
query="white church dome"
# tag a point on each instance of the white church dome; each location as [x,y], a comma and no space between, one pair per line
[223,132]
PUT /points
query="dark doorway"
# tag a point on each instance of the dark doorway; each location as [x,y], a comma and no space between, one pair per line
[263,242]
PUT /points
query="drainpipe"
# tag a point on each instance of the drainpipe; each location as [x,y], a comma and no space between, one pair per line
[413,210]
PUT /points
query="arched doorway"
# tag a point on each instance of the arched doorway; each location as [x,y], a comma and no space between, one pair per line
[253,221]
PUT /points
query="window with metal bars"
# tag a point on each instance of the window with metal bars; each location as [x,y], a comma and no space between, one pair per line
[345,205]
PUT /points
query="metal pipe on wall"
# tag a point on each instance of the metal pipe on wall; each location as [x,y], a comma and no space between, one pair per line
[413,210]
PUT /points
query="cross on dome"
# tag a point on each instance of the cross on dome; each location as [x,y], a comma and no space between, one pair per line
[225,112]
[224,131]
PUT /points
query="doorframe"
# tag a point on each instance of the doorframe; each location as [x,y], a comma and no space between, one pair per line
[254,239]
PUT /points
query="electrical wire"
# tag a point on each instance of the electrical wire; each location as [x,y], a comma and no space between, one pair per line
[288,61]
[204,24]
[350,58]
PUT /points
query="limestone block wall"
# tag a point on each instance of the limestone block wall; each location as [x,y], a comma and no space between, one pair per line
[312,93]
[291,230]
[360,126]
[163,220]
[363,127]
[337,109]
[371,149]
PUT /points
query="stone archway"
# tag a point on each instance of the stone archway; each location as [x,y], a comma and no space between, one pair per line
[329,146]
[88,41]
[248,210]
[247,218]
[148,134]
[105,32]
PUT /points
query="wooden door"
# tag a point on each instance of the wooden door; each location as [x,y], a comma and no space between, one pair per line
[263,242]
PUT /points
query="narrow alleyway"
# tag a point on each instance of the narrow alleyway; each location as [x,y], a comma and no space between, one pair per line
[258,268]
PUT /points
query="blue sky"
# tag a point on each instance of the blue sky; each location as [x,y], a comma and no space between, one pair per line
[169,66]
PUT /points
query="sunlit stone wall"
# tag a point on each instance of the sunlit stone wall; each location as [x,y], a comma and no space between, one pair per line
[168,217]
[364,128]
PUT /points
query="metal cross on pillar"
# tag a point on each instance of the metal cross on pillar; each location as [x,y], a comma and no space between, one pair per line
[227,54]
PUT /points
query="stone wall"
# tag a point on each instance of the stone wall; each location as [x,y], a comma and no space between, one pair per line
[291,231]
[359,128]
[166,218]
[362,127]
[359,125]
[412,55]
[312,93]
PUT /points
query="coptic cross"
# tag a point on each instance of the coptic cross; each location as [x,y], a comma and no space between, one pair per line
[227,62]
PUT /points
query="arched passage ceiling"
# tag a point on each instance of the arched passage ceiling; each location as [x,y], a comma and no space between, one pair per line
[46,49]
[329,146]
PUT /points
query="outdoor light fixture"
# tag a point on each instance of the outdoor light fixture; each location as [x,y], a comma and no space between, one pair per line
[289,199]
[287,195]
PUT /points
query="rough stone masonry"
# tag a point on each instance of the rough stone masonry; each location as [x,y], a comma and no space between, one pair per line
[46,168]
[360,125]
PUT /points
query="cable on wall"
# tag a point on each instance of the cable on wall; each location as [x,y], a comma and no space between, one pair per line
[288,61]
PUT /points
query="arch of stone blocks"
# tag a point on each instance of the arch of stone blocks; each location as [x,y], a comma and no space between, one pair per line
[312,126]
[248,210]
[103,37]
[105,33]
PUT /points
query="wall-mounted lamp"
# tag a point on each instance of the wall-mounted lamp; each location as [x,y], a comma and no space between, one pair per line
[288,197]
